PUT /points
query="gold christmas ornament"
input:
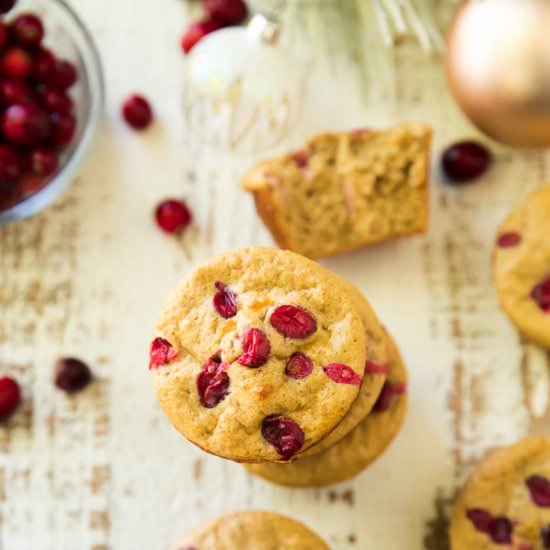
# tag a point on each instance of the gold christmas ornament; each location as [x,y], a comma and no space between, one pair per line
[498,68]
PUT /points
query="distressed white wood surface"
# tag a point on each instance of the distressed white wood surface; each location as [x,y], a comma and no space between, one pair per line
[104,470]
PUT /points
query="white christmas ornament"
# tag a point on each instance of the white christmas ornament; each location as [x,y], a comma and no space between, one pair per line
[243,91]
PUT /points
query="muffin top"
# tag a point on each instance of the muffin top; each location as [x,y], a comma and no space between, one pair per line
[258,354]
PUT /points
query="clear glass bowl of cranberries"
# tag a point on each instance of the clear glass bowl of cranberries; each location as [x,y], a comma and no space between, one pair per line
[51,101]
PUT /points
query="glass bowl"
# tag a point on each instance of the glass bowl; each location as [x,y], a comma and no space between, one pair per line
[68,37]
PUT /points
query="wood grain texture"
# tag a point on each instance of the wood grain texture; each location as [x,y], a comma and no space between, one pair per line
[104,470]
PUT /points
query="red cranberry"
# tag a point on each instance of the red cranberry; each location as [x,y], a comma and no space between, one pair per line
[499,529]
[507,240]
[284,434]
[213,383]
[539,488]
[16,91]
[197,31]
[298,366]
[481,519]
[16,63]
[231,12]
[62,74]
[541,295]
[256,348]
[25,124]
[161,353]
[72,375]
[6,5]
[342,374]
[30,184]
[43,162]
[27,30]
[374,368]
[225,301]
[137,112]
[10,165]
[293,321]
[545,536]
[10,396]
[56,101]
[173,215]
[44,61]
[4,35]
[300,158]
[63,128]
[465,161]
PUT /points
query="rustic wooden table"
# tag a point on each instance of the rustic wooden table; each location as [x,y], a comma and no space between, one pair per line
[104,470]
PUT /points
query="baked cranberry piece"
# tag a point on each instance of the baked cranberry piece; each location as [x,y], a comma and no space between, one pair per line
[10,396]
[256,348]
[43,162]
[27,30]
[509,239]
[6,5]
[161,353]
[25,124]
[16,63]
[213,382]
[465,161]
[541,294]
[197,32]
[374,368]
[499,529]
[172,215]
[342,374]
[231,12]
[137,112]
[539,489]
[225,301]
[293,321]
[299,366]
[284,434]
[72,375]
[300,158]
[11,167]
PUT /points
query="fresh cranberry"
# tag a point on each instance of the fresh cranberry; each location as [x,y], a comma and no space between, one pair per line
[298,366]
[231,12]
[137,112]
[16,91]
[43,162]
[63,128]
[10,165]
[509,239]
[293,321]
[541,295]
[375,368]
[10,396]
[342,374]
[72,375]
[284,434]
[539,488]
[173,215]
[4,35]
[213,382]
[25,124]
[28,30]
[545,536]
[256,348]
[197,31]
[161,353]
[225,301]
[56,101]
[6,5]
[44,61]
[465,161]
[300,158]
[62,74]
[16,63]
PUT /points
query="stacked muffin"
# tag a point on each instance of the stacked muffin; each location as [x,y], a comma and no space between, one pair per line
[264,357]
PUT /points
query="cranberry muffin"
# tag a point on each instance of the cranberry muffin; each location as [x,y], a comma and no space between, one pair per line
[362,446]
[258,355]
[252,530]
[506,501]
[522,267]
